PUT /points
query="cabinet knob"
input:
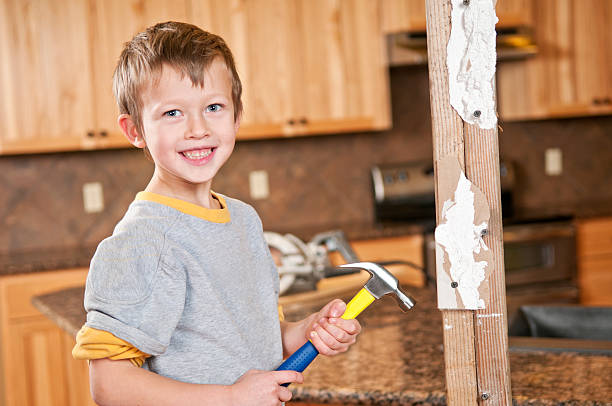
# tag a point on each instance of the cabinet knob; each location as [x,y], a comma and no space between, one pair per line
[90,134]
[291,121]
[597,101]
[303,120]
[103,133]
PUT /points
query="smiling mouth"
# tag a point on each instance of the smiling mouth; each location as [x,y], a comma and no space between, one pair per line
[197,154]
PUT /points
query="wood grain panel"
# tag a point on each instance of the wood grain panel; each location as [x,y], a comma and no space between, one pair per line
[114,22]
[45,76]
[594,237]
[595,280]
[475,347]
[448,140]
[491,324]
[570,75]
[35,355]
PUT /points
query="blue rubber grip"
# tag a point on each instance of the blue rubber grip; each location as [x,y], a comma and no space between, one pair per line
[299,360]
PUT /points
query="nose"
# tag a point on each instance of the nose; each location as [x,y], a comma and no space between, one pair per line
[198,128]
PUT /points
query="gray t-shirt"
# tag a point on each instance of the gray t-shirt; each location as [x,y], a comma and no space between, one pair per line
[196,288]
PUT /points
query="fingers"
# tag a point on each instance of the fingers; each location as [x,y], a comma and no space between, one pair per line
[284,394]
[335,308]
[334,336]
[288,377]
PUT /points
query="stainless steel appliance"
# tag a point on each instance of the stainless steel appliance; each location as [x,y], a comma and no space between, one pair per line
[539,253]
[405,192]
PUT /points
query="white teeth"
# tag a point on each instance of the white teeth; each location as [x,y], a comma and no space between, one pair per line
[199,154]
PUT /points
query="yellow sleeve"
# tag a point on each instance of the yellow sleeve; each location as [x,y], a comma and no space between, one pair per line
[92,343]
[281,315]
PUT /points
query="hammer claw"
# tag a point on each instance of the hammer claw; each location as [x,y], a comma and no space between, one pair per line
[382,282]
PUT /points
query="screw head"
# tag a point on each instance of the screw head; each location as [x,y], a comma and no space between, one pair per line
[454,284]
[466,2]
[477,113]
[484,396]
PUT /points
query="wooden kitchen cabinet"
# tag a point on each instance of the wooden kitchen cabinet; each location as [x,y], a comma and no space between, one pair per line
[46,87]
[308,67]
[114,22]
[571,74]
[36,365]
[594,251]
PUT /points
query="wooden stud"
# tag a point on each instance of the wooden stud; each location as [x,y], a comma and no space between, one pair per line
[475,342]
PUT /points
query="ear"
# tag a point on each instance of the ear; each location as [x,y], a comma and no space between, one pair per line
[130,130]
[237,123]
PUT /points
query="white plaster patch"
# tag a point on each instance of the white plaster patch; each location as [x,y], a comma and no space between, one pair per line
[471,58]
[461,253]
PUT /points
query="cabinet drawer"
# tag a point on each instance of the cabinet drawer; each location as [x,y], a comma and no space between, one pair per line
[16,291]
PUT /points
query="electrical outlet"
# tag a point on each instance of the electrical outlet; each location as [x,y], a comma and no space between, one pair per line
[553,161]
[93,199]
[258,185]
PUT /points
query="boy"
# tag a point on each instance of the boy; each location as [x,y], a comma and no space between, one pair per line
[186,286]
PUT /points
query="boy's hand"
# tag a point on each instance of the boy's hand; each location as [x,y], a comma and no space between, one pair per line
[329,333]
[263,387]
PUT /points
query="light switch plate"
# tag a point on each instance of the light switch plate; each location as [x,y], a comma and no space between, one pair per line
[553,162]
[93,198]
[259,185]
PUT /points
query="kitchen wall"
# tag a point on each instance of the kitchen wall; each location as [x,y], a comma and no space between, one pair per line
[315,182]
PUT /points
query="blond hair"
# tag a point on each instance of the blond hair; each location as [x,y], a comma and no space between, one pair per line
[184,47]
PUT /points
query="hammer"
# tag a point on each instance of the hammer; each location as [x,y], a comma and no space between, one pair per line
[381,283]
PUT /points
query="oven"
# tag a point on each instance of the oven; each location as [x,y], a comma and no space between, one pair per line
[539,253]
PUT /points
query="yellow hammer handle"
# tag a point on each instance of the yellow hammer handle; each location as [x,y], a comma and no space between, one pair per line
[358,303]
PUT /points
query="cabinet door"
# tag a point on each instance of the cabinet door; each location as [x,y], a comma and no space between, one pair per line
[114,23]
[265,57]
[593,53]
[307,67]
[343,82]
[45,75]
[513,13]
[403,15]
[595,280]
[594,251]
[43,372]
[570,74]
[36,365]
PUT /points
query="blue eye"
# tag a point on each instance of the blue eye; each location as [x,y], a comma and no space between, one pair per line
[172,113]
[214,107]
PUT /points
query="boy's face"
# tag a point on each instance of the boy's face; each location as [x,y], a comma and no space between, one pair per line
[190,131]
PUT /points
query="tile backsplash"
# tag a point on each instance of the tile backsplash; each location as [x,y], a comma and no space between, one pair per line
[318,181]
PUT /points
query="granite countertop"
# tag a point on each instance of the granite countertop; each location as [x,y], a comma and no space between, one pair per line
[398,359]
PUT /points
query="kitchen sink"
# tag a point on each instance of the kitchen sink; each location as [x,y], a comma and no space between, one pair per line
[562,328]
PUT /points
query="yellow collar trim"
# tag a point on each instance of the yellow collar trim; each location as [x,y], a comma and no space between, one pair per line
[221,215]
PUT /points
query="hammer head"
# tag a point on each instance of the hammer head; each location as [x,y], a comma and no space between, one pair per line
[382,282]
